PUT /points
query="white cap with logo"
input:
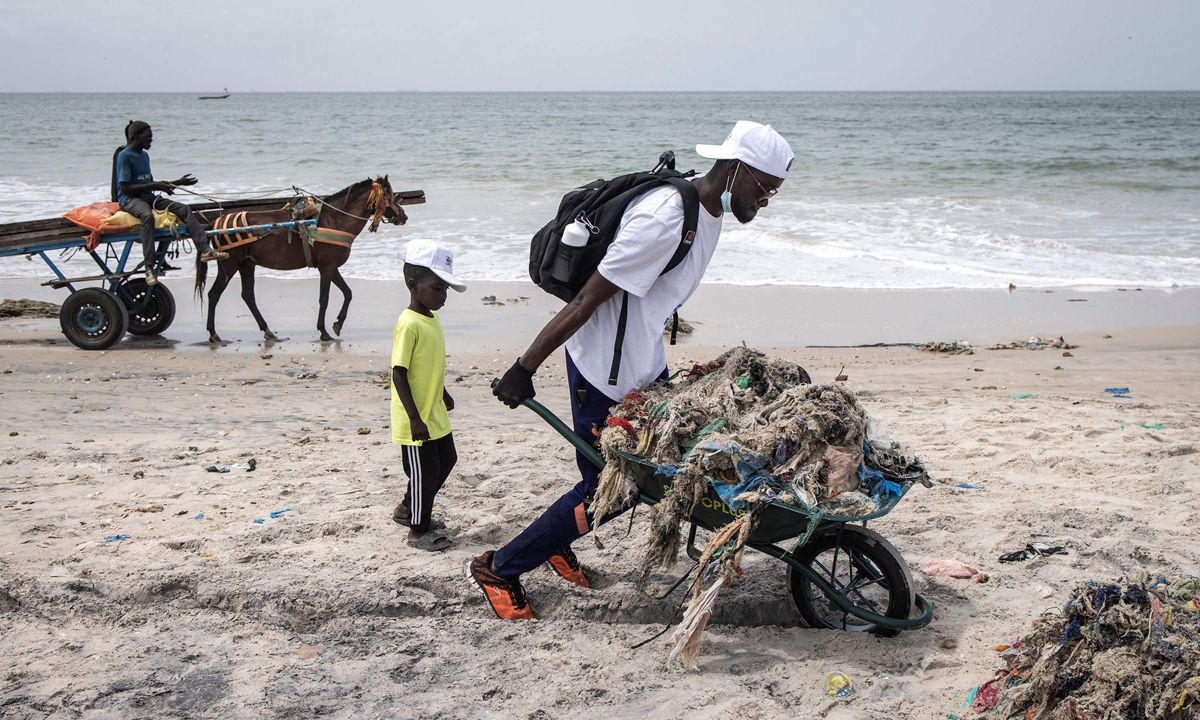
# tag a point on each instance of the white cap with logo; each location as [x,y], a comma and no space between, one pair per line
[759,146]
[429,254]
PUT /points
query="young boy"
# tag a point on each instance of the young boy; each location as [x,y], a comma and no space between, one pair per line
[420,422]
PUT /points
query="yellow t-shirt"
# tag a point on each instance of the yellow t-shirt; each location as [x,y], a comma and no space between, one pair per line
[419,346]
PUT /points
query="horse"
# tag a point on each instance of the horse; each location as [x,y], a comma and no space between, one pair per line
[341,217]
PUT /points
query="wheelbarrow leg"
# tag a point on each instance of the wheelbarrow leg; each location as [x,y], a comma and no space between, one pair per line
[692,551]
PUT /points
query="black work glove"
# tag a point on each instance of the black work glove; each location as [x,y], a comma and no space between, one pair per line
[515,387]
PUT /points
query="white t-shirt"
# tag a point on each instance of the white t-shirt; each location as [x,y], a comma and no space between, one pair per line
[646,240]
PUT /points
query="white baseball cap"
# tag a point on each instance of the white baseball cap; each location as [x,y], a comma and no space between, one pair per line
[759,146]
[429,254]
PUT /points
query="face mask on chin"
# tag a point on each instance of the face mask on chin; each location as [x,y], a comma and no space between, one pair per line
[727,196]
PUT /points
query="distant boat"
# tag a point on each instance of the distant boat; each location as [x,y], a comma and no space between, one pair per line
[216,97]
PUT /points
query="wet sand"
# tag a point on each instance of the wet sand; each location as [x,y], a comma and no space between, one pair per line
[202,612]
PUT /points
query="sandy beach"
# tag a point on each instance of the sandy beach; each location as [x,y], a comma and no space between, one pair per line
[321,609]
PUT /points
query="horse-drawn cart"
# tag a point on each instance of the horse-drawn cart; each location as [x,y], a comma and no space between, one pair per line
[95,318]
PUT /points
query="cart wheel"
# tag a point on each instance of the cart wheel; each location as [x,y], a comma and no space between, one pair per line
[157,315]
[862,567]
[93,318]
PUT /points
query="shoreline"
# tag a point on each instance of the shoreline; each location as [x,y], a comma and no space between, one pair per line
[723,315]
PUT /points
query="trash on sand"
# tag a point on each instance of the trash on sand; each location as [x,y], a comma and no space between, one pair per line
[1121,392]
[307,652]
[1033,550]
[838,684]
[259,521]
[199,516]
[279,513]
[1022,396]
[1036,342]
[956,347]
[115,538]
[364,431]
[1126,649]
[181,512]
[1154,426]
[969,486]
[251,464]
[953,569]
[211,468]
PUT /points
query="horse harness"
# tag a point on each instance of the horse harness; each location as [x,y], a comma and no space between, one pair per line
[306,208]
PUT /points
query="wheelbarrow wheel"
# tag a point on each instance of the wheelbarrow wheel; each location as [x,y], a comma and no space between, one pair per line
[93,319]
[862,567]
[158,313]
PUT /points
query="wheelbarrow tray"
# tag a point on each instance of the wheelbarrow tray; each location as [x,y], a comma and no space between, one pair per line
[779,521]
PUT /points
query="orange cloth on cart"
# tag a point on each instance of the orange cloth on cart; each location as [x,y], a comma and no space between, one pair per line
[106,218]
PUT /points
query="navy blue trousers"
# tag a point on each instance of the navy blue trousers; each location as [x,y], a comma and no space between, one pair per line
[569,518]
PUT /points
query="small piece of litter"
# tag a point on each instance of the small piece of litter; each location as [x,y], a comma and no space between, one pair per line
[251,464]
[838,684]
[1154,426]
[211,468]
[259,521]
[279,513]
[307,652]
[364,431]
[1022,396]
[969,486]
[115,538]
[199,516]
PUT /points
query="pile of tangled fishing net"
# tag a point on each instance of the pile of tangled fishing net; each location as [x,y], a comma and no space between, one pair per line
[756,431]
[1117,651]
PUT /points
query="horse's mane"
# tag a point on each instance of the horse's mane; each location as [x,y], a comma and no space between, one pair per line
[351,188]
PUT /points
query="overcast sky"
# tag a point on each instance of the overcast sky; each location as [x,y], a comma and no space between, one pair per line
[277,45]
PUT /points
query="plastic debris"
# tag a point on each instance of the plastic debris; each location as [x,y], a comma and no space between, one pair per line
[199,516]
[251,465]
[1118,392]
[1154,426]
[953,569]
[259,521]
[279,513]
[1033,550]
[1035,343]
[969,486]
[115,538]
[1114,651]
[211,468]
[1022,396]
[838,684]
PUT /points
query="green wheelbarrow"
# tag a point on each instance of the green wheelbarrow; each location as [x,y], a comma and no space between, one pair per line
[839,575]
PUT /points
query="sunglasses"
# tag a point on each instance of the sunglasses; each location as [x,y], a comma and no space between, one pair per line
[765,192]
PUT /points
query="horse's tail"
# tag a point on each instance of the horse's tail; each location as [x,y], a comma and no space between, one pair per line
[201,278]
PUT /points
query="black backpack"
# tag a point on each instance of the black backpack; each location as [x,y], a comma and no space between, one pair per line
[114,173]
[562,270]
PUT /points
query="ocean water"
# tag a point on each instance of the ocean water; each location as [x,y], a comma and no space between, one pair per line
[889,190]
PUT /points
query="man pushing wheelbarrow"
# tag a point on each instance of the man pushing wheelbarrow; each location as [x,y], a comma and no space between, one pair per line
[626,254]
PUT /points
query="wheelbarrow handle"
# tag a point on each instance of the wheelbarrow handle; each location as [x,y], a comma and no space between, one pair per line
[580,444]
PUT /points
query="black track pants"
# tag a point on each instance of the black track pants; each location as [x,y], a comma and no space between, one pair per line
[427,465]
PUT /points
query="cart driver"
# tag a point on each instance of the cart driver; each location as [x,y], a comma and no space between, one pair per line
[135,193]
[750,166]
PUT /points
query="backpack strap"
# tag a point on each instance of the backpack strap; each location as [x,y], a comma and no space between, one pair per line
[616,363]
[691,216]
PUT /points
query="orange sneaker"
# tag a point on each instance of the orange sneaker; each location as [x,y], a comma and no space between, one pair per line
[505,595]
[567,566]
